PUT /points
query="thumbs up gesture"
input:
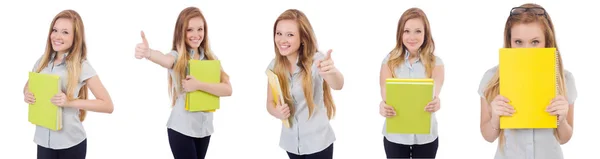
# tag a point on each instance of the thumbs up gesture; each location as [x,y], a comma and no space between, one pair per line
[142,50]
[326,66]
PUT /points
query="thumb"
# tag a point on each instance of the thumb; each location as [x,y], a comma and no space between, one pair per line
[328,56]
[318,63]
[144,38]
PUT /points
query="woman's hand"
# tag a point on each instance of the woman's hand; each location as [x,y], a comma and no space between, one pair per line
[500,107]
[29,98]
[386,110]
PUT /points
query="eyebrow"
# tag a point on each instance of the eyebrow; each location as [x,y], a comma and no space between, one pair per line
[285,32]
[60,29]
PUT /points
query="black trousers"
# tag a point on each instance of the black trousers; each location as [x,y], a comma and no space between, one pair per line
[400,151]
[325,154]
[76,152]
[185,147]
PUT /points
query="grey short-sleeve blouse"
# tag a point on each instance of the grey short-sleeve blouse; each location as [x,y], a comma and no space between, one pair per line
[72,132]
[306,136]
[416,70]
[530,143]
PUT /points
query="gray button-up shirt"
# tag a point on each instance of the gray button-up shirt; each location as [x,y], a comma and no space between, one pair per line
[193,124]
[416,70]
[306,136]
[530,143]
[72,132]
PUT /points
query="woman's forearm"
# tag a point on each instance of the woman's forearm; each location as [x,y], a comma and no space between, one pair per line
[335,81]
[565,132]
[218,89]
[95,105]
[490,129]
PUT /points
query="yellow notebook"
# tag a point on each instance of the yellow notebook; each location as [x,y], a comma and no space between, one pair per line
[276,92]
[43,113]
[528,79]
[208,71]
[409,98]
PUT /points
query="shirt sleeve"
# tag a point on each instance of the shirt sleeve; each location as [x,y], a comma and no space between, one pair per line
[37,63]
[87,71]
[570,86]
[438,61]
[487,76]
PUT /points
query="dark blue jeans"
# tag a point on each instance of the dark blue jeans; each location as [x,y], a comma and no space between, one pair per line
[76,152]
[185,147]
[325,154]
[399,151]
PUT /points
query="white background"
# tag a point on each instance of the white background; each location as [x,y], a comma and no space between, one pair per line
[467,37]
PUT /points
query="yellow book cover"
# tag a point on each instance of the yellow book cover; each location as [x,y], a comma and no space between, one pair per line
[43,113]
[528,79]
[276,92]
[208,71]
[409,98]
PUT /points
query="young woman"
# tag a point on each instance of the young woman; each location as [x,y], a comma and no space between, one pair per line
[528,26]
[413,57]
[189,132]
[306,76]
[66,56]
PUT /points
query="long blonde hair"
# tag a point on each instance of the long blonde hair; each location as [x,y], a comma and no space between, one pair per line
[305,57]
[492,90]
[179,44]
[77,54]
[426,50]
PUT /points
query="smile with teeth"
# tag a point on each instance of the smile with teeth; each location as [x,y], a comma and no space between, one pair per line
[284,46]
[195,40]
[57,42]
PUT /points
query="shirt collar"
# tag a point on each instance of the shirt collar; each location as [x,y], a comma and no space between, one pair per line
[407,54]
[63,60]
[192,51]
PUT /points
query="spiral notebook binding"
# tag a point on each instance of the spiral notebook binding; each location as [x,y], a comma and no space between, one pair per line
[557,71]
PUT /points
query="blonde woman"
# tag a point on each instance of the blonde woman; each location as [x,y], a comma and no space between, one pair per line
[66,56]
[413,57]
[306,76]
[189,132]
[528,26]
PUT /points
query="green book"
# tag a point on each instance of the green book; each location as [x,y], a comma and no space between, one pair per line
[409,98]
[43,113]
[207,71]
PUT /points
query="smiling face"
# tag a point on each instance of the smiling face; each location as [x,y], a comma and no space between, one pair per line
[194,32]
[413,34]
[287,38]
[62,35]
[530,35]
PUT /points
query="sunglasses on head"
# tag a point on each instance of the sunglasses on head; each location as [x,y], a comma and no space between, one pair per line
[535,10]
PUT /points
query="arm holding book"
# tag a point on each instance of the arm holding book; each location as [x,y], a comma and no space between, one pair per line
[438,78]
[384,109]
[280,111]
[102,103]
[29,98]
[222,89]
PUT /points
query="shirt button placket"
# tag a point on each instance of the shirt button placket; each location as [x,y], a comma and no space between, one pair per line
[530,147]
[295,119]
